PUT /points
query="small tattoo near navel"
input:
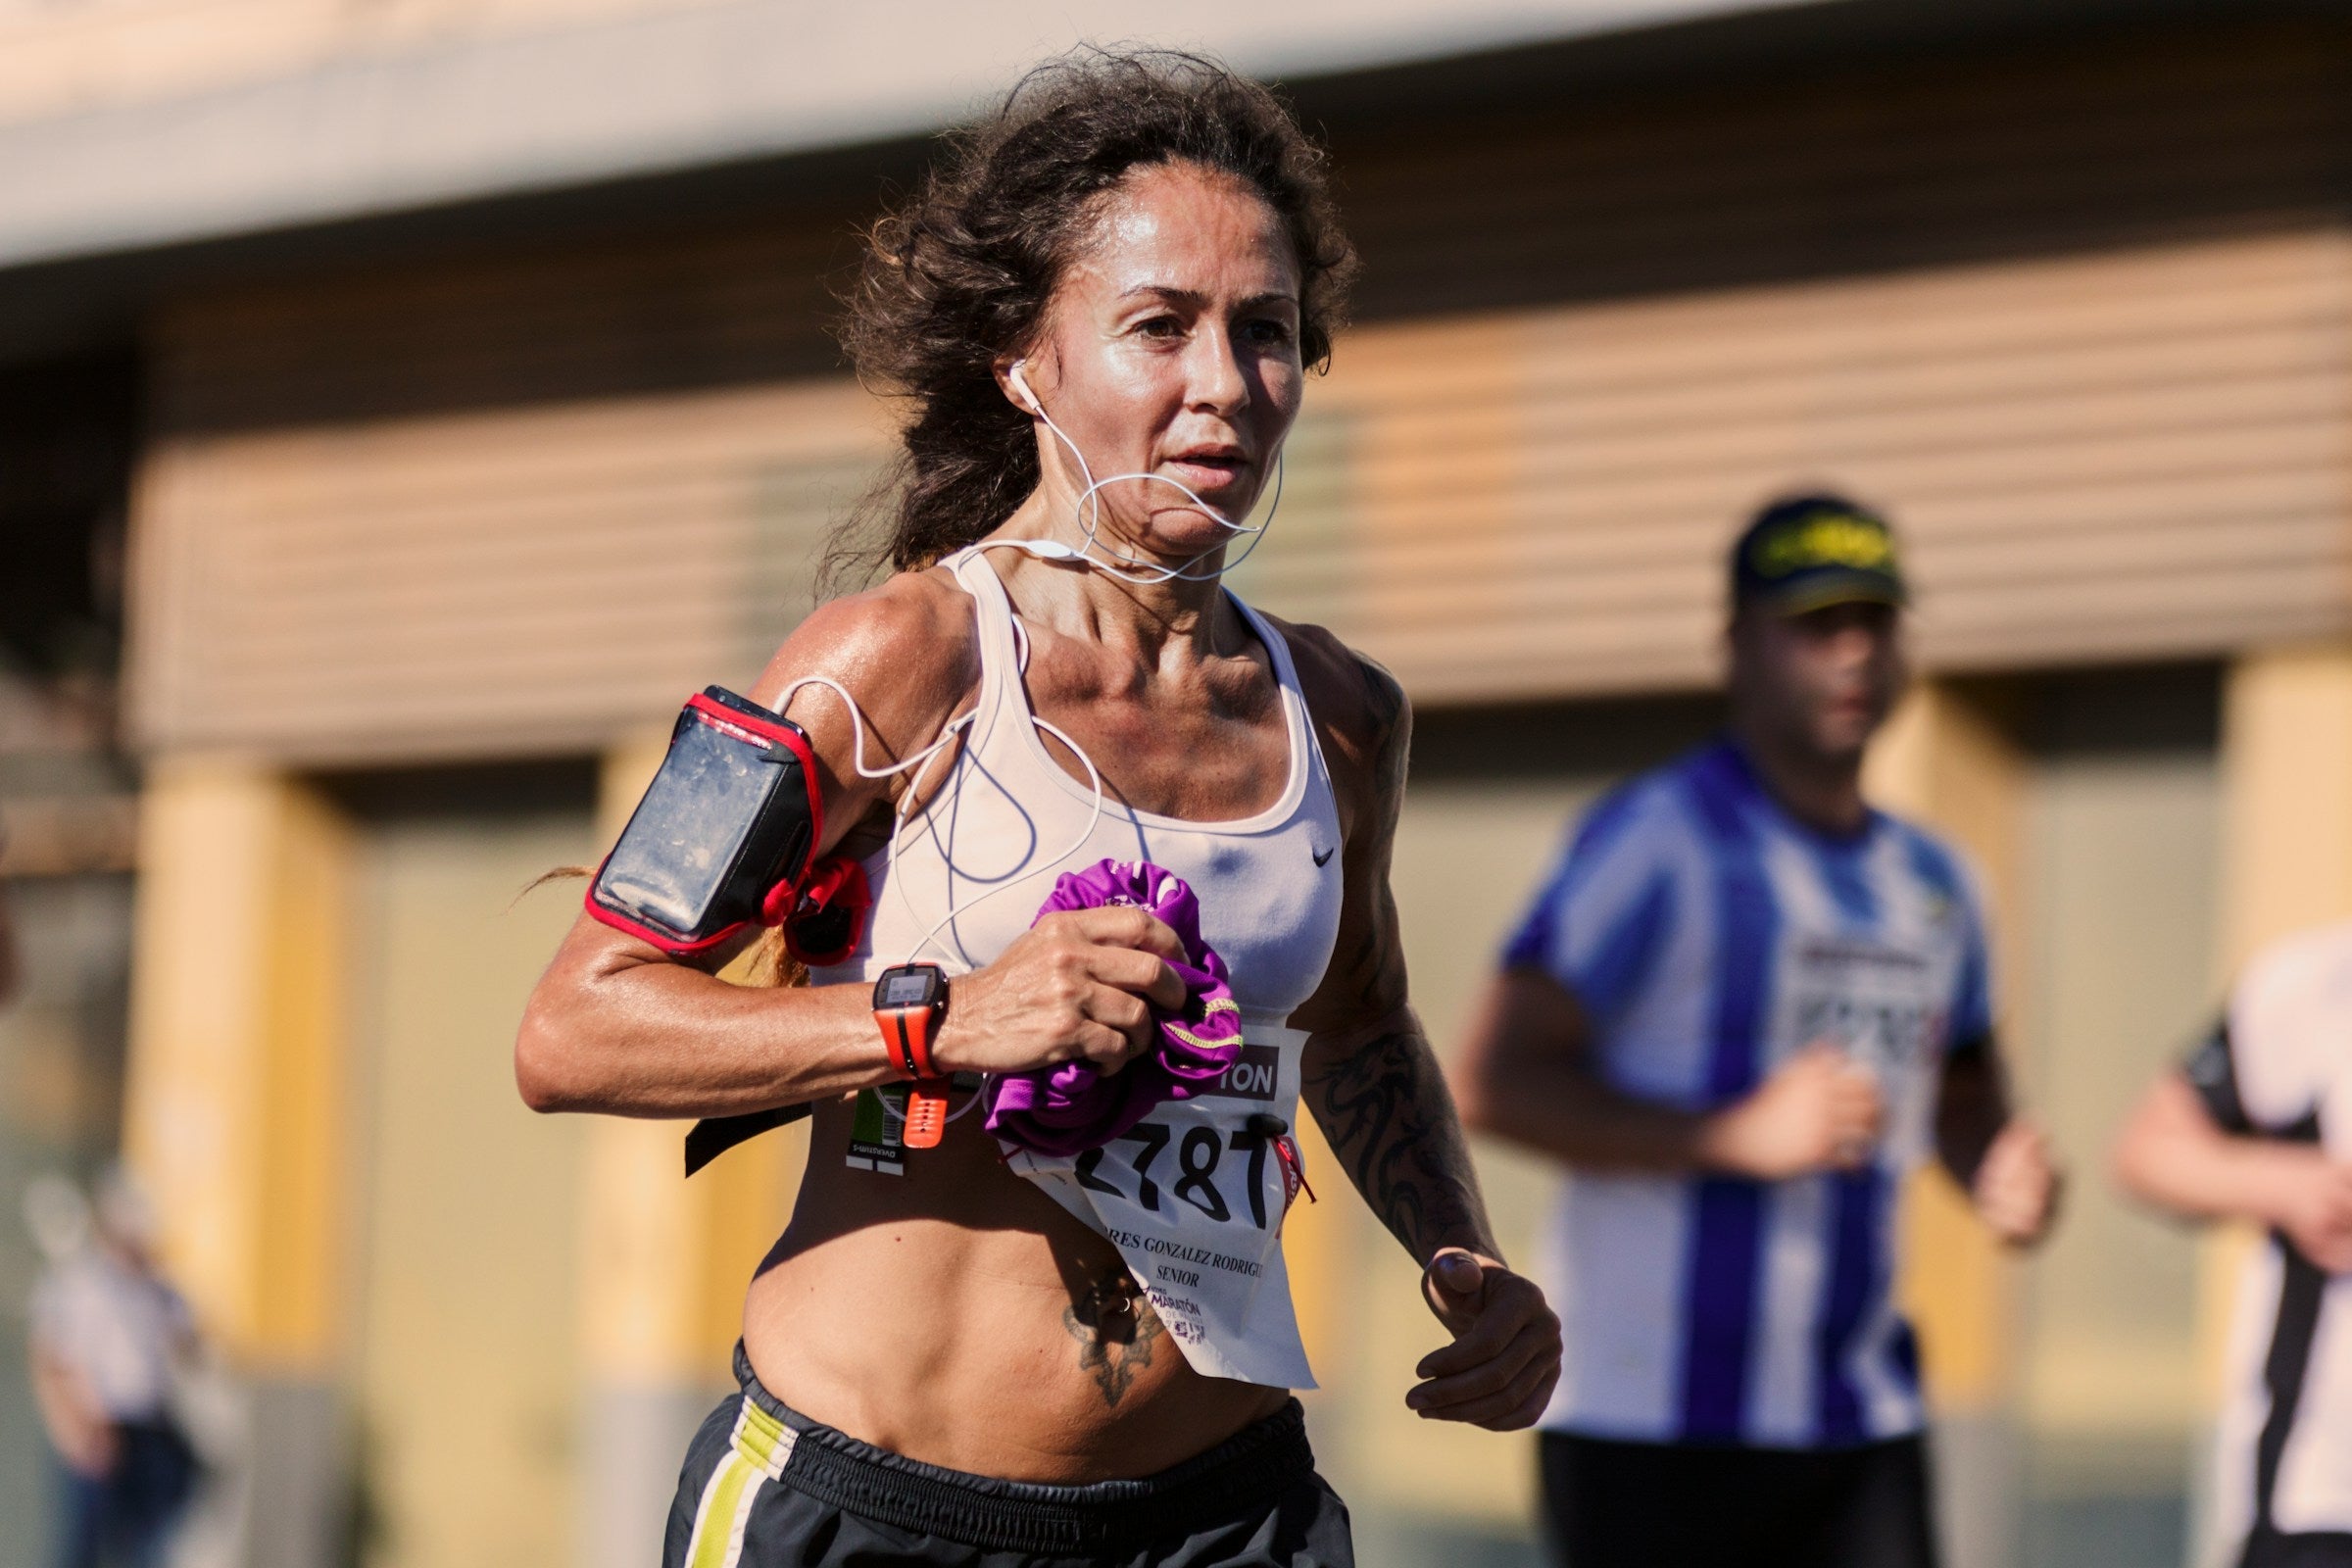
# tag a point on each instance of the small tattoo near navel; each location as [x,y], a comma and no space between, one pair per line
[1115,1327]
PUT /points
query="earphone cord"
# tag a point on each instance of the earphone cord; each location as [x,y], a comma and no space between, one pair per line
[920,761]
[1089,508]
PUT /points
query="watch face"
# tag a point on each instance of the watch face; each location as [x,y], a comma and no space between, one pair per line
[906,988]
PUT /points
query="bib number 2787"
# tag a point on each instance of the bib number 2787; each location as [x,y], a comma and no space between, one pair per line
[1192,1175]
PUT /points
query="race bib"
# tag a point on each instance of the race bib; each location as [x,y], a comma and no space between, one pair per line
[1194,1198]
[1884,1006]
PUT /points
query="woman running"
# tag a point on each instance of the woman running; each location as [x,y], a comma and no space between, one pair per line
[1100,308]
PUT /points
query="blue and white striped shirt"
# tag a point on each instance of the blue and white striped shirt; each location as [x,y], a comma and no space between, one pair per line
[1709,936]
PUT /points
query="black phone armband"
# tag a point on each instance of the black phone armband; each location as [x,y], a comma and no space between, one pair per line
[724,835]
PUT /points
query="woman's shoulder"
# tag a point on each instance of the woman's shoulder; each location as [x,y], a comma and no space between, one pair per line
[1359,707]
[910,638]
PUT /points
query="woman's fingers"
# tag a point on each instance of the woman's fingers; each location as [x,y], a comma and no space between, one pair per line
[1516,1404]
[1489,1411]
[1145,974]
[1485,1382]
[1103,1045]
[1529,1411]
[1128,927]
[1129,1016]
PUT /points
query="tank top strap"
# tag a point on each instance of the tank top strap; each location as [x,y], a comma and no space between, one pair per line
[1002,643]
[1285,675]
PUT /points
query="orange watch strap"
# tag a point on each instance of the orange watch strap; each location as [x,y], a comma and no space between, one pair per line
[926,1114]
[906,1036]
[908,1033]
[915,1027]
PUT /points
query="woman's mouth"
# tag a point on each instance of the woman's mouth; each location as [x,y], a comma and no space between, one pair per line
[1206,468]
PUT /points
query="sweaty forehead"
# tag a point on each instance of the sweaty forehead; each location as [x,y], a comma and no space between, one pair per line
[1182,226]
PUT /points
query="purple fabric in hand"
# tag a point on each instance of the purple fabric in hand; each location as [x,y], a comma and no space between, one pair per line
[1074,1107]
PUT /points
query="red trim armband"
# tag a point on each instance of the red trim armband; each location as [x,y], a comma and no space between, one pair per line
[721,839]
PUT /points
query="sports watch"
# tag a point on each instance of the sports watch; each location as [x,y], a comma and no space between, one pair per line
[908,1003]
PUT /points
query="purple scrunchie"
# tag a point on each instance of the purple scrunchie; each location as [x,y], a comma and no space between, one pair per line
[1074,1107]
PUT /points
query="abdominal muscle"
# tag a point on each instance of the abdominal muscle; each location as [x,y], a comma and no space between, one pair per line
[960,1317]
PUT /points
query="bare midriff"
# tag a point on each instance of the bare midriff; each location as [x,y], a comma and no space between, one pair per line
[960,1317]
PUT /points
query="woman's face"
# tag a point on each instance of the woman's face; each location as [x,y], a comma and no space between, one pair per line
[1171,347]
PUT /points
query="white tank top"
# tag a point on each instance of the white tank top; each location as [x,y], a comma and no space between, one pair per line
[1196,1214]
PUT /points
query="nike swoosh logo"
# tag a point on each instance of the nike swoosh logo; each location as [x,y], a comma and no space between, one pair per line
[1326,855]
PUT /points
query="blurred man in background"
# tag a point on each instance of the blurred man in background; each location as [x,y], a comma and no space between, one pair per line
[108,1332]
[1742,1010]
[2258,1126]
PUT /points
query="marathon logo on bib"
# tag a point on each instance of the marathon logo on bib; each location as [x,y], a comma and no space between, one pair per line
[1256,1075]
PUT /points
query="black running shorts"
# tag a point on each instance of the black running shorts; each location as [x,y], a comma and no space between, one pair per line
[1661,1505]
[2268,1549]
[765,1487]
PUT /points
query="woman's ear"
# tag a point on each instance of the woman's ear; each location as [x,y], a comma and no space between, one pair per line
[1013,380]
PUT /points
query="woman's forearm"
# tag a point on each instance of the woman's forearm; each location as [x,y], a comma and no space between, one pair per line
[1382,1102]
[652,1039]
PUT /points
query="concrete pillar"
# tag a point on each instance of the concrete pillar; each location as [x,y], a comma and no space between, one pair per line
[2287,776]
[665,1264]
[1948,759]
[235,1109]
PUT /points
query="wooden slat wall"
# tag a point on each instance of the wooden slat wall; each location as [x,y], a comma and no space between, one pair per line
[2080,322]
[492,583]
[2127,456]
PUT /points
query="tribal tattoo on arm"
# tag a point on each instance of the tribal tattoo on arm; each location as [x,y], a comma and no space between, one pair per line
[1370,1076]
[1385,1106]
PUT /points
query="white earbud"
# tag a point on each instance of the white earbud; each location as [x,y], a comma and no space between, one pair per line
[1028,398]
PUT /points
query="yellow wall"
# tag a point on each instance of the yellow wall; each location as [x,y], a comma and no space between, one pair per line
[2287,773]
[236,1098]
[468,1362]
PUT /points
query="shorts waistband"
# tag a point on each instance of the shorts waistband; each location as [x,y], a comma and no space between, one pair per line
[1247,1469]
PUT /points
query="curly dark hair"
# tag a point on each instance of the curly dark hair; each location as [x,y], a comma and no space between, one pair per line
[961,273]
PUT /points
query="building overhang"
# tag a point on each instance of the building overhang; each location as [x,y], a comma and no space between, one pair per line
[661,91]
[696,109]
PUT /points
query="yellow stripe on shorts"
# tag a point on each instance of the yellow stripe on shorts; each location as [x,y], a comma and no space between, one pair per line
[756,1453]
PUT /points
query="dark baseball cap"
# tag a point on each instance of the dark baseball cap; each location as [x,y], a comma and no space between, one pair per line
[1810,552]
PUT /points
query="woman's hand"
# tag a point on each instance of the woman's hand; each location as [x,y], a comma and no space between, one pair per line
[1500,1371]
[1078,986]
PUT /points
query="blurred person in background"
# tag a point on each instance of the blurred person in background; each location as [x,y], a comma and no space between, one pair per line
[972,1351]
[12,974]
[108,1332]
[2257,1126]
[1742,1010]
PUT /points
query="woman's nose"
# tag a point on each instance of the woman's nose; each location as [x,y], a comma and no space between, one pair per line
[1218,382]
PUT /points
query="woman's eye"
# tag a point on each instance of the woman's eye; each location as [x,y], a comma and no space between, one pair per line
[1160,326]
[1269,333]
